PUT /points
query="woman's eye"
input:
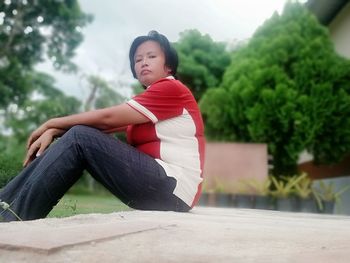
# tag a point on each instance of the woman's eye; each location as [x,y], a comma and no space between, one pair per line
[138,60]
[152,56]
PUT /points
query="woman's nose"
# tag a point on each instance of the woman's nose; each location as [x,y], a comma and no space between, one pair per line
[144,61]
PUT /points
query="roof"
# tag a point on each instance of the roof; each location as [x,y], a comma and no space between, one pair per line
[325,10]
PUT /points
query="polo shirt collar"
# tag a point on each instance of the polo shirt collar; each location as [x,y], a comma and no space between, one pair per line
[168,77]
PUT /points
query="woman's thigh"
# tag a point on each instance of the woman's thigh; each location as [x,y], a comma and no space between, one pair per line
[136,178]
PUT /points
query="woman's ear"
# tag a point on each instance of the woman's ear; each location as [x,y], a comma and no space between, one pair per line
[168,69]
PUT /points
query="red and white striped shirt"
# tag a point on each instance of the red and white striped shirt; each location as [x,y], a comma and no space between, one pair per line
[174,136]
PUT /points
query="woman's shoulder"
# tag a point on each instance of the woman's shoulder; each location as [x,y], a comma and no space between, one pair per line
[170,85]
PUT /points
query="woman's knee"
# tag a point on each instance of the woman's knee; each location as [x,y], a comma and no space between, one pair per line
[77,132]
[80,129]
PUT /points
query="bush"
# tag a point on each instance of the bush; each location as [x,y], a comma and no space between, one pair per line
[288,88]
[10,166]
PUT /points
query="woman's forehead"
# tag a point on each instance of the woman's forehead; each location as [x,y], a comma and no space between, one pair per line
[147,47]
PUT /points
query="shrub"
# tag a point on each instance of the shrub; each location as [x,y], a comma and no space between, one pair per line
[10,166]
[288,88]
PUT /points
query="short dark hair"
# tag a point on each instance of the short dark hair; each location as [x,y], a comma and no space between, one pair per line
[171,58]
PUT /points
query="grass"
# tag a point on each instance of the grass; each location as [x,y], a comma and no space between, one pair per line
[72,204]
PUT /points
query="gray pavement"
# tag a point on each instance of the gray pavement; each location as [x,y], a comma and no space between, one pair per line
[203,235]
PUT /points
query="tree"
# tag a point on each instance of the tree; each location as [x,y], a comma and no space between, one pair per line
[287,88]
[29,29]
[45,103]
[102,94]
[203,61]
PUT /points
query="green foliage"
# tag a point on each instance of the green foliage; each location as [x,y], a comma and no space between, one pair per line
[303,188]
[6,206]
[202,61]
[11,157]
[29,30]
[102,94]
[327,191]
[287,87]
[137,88]
[50,102]
[260,187]
[83,204]
[284,187]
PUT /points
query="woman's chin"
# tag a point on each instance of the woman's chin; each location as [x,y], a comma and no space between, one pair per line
[146,81]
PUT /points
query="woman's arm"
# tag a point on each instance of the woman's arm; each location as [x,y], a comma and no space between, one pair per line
[113,130]
[103,119]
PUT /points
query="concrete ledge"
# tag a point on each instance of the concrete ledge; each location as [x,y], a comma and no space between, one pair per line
[49,236]
[203,235]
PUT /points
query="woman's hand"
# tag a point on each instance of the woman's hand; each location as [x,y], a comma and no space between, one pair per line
[39,145]
[35,135]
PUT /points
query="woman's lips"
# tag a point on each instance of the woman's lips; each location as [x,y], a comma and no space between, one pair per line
[145,72]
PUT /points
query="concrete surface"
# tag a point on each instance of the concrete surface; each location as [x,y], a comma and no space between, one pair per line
[203,235]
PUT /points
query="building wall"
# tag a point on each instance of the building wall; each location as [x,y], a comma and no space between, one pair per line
[340,31]
[228,167]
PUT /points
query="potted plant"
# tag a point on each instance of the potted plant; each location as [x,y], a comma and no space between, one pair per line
[242,197]
[326,196]
[262,198]
[303,189]
[222,197]
[283,190]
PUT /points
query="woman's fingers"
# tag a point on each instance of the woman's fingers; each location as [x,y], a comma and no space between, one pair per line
[27,160]
[29,141]
[32,138]
[31,154]
[43,146]
[38,146]
[35,135]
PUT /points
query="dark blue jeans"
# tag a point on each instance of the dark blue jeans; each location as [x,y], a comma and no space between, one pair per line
[132,176]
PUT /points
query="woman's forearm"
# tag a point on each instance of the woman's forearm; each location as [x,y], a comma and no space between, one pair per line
[114,130]
[107,119]
[103,119]
[99,119]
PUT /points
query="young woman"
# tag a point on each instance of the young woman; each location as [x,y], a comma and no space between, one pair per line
[159,169]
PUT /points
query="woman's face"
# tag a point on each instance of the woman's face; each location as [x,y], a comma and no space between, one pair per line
[150,63]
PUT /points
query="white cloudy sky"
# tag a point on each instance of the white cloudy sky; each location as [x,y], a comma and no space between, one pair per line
[117,22]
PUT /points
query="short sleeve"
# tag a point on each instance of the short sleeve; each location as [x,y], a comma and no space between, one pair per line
[162,100]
